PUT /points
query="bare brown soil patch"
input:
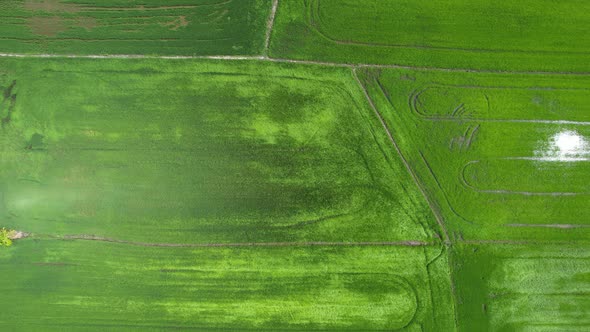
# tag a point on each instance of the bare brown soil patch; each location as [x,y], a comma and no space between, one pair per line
[51,6]
[140,8]
[87,23]
[16,235]
[180,22]
[46,26]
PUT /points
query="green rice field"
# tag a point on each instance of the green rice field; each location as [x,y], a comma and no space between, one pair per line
[200,152]
[524,35]
[496,172]
[294,165]
[96,286]
[523,287]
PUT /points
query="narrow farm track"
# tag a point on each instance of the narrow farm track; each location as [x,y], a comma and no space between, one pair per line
[515,242]
[269,25]
[280,60]
[88,237]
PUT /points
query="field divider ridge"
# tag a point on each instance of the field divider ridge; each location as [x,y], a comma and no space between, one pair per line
[281,60]
[91,237]
[269,25]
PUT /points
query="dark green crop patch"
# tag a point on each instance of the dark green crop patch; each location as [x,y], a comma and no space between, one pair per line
[198,27]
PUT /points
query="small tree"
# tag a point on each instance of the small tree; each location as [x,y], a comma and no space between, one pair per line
[5,235]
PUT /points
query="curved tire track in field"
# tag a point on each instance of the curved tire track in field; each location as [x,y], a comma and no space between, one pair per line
[468,185]
[414,103]
[443,191]
[313,20]
[431,204]
[405,284]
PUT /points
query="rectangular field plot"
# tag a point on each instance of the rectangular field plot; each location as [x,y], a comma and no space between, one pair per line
[522,287]
[499,163]
[523,35]
[172,27]
[58,285]
[199,152]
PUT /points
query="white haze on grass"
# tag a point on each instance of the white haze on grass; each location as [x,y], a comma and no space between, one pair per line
[566,145]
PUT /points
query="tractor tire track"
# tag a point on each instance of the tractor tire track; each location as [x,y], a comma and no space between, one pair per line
[468,185]
[431,204]
[414,103]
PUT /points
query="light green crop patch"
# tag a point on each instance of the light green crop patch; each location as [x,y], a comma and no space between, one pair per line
[6,237]
[522,287]
[523,35]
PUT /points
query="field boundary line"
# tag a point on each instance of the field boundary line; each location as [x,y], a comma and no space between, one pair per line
[88,237]
[560,226]
[436,213]
[134,56]
[282,60]
[269,25]
[522,242]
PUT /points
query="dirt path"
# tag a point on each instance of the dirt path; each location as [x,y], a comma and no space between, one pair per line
[411,243]
[17,235]
[269,24]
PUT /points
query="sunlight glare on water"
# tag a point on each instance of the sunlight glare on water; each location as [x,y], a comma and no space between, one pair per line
[566,145]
